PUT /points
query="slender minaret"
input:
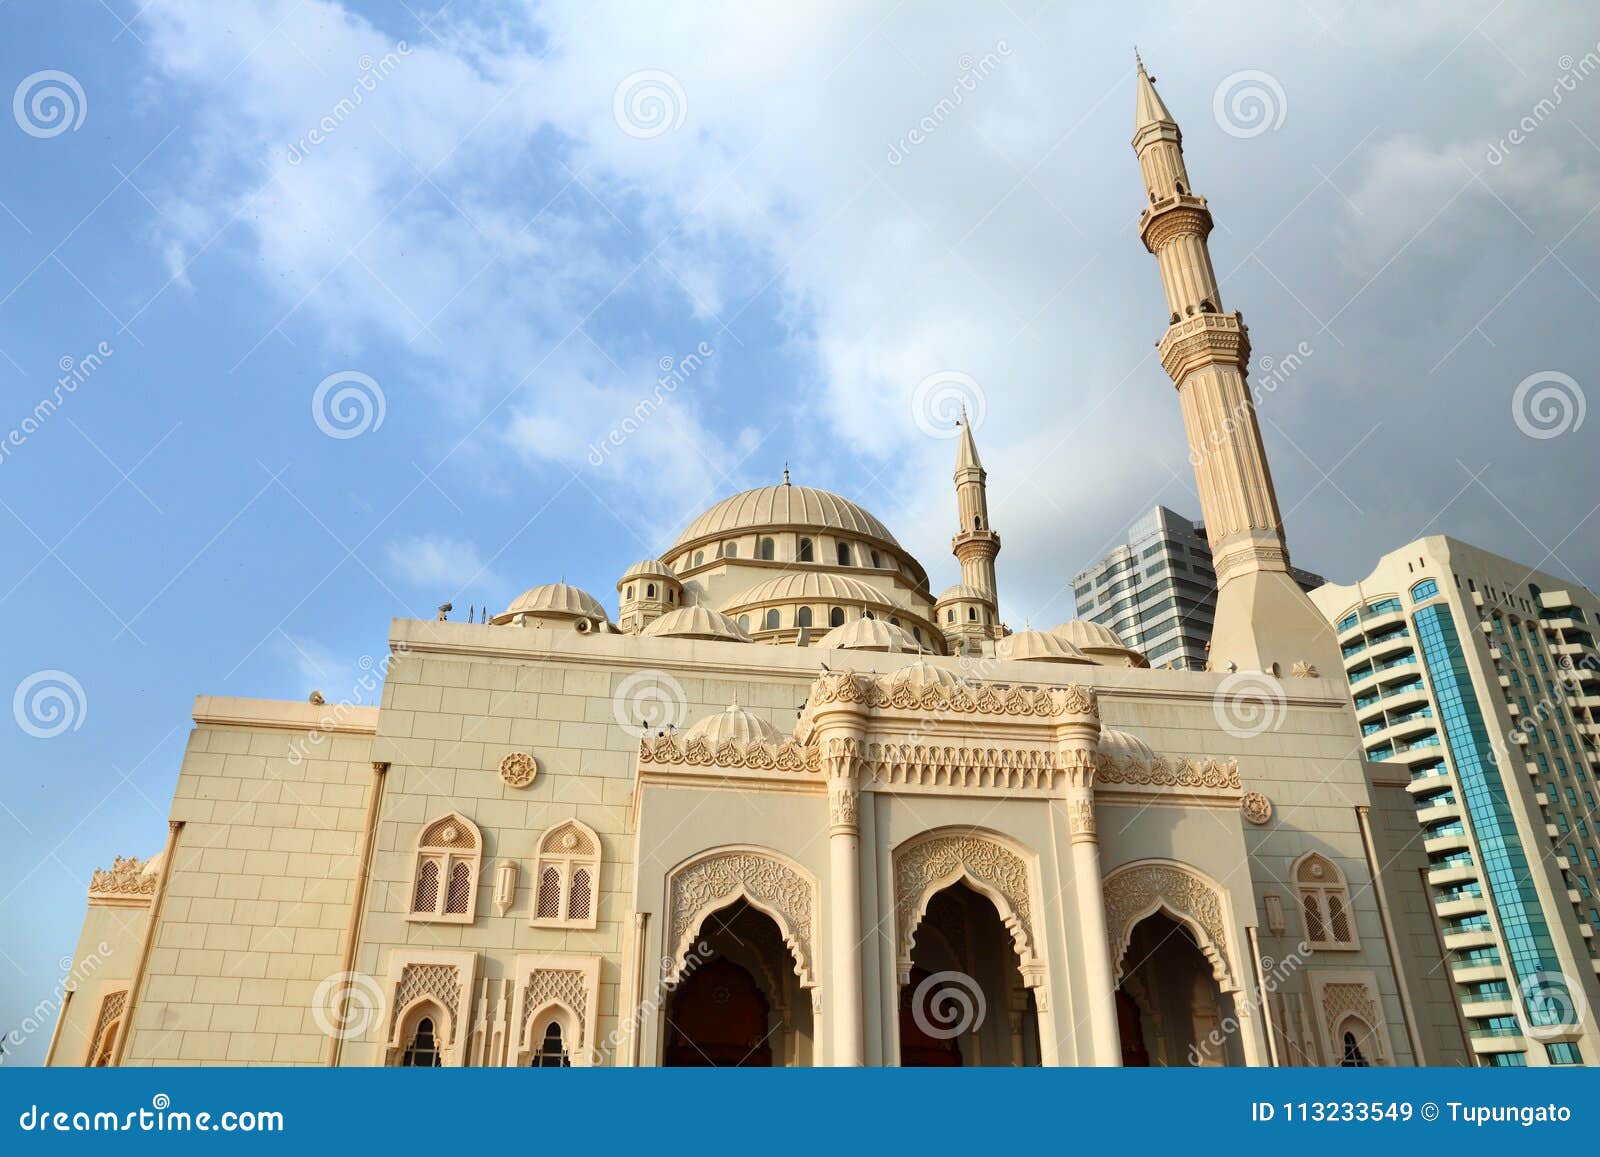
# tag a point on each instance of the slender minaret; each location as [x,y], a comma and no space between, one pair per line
[1263,618]
[975,544]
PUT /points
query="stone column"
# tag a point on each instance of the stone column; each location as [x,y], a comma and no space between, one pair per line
[1104,1036]
[844,903]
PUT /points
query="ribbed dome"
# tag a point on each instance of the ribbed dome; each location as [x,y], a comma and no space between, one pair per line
[869,635]
[1096,639]
[555,599]
[785,505]
[1039,647]
[1120,747]
[696,623]
[736,724]
[649,568]
[810,586]
[923,674]
[962,591]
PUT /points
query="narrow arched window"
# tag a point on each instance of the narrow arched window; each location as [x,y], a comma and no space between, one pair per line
[766,550]
[650,590]
[972,614]
[108,1023]
[730,550]
[699,557]
[444,880]
[744,623]
[552,1052]
[630,590]
[836,617]
[802,617]
[876,564]
[843,554]
[769,621]
[568,872]
[805,551]
[950,614]
[422,1050]
[1324,902]
[977,522]
[1353,1057]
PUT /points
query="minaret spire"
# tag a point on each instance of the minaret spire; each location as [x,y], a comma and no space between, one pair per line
[1263,619]
[975,544]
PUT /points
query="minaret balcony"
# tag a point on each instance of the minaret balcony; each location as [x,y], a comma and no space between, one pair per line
[1176,215]
[1203,339]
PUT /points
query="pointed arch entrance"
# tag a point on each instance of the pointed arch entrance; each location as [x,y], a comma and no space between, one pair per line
[971,977]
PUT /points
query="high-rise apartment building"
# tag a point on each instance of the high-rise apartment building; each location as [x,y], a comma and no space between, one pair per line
[1480,676]
[1157,590]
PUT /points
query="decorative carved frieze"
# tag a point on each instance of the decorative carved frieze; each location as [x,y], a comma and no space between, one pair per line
[982,698]
[931,765]
[717,880]
[787,756]
[1212,774]
[565,986]
[438,982]
[126,881]
[930,864]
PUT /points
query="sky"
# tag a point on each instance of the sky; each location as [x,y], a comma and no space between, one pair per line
[313,315]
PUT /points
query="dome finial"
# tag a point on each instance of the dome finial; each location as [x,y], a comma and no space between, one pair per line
[786,474]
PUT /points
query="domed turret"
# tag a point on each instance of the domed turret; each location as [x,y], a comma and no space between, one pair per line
[1039,647]
[696,623]
[921,675]
[1100,643]
[1124,749]
[554,604]
[869,635]
[734,724]
[965,613]
[646,591]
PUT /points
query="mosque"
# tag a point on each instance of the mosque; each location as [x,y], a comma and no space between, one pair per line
[788,807]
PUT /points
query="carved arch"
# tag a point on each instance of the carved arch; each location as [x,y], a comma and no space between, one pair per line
[988,863]
[1192,898]
[767,881]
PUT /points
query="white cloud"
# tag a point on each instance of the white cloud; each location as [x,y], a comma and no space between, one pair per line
[442,564]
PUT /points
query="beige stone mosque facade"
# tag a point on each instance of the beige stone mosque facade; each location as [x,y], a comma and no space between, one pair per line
[788,807]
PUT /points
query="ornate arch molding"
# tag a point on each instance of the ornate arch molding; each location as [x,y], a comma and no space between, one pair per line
[992,866]
[1145,887]
[771,883]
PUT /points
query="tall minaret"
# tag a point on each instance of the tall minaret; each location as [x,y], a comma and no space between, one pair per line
[975,544]
[1263,618]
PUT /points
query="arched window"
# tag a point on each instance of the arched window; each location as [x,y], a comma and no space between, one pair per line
[444,882]
[875,561]
[1425,589]
[916,633]
[1353,1058]
[672,595]
[842,553]
[567,873]
[744,623]
[868,615]
[836,617]
[802,617]
[422,1050]
[893,622]
[766,550]
[769,621]
[552,1051]
[805,551]
[629,595]
[950,614]
[972,614]
[699,557]
[650,590]
[102,1046]
[1324,902]
[977,522]
[730,550]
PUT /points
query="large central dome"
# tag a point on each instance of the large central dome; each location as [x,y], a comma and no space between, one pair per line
[783,506]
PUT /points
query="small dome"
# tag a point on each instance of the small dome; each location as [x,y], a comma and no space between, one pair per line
[923,674]
[554,600]
[1095,639]
[962,591]
[1039,647]
[869,635]
[649,568]
[1120,747]
[697,623]
[736,724]
[152,866]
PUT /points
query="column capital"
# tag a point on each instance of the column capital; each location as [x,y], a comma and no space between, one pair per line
[844,808]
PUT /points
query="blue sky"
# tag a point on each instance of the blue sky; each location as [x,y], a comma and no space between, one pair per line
[529,208]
